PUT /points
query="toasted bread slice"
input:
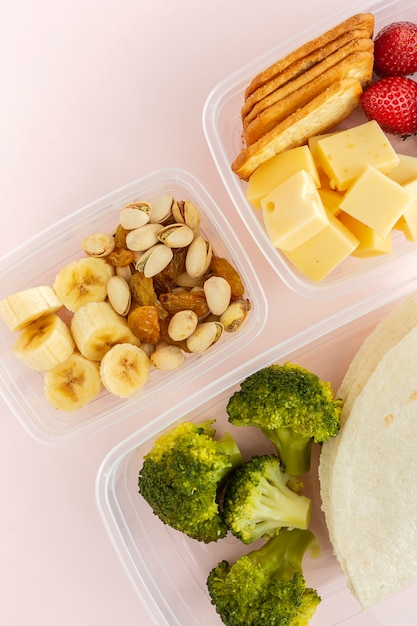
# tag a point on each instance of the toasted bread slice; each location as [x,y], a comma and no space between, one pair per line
[329,108]
[361,21]
[358,65]
[330,60]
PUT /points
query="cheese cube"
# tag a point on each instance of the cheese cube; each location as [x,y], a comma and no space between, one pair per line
[312,144]
[293,211]
[345,155]
[277,169]
[376,200]
[408,221]
[405,171]
[321,254]
[331,198]
[370,242]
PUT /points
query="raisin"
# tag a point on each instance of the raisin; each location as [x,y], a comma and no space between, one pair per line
[221,267]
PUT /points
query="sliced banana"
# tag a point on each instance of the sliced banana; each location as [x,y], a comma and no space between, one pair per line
[24,307]
[96,327]
[82,281]
[124,369]
[45,343]
[73,384]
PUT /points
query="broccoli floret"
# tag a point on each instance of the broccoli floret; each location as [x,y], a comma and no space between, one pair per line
[182,476]
[266,586]
[258,501]
[292,407]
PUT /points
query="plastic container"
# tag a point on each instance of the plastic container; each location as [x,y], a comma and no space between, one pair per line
[168,570]
[37,262]
[223,132]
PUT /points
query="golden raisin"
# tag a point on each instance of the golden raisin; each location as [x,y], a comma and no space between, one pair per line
[180,300]
[221,267]
[120,236]
[120,257]
[143,321]
[166,279]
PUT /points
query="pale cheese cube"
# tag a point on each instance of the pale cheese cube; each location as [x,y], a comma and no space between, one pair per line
[408,221]
[376,200]
[405,171]
[321,254]
[371,243]
[331,198]
[345,155]
[293,211]
[276,170]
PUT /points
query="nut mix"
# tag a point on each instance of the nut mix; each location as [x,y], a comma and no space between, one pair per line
[176,294]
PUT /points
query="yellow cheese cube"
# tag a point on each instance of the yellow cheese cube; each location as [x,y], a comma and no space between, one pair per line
[370,242]
[312,144]
[331,198]
[405,171]
[408,221]
[376,200]
[345,155]
[277,169]
[293,211]
[321,254]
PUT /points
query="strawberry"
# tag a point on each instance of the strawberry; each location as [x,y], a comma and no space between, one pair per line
[392,102]
[395,50]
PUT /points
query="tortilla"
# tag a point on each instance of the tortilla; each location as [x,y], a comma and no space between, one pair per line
[371,502]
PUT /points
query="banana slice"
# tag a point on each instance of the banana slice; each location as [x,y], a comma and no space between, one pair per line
[82,281]
[24,307]
[124,369]
[73,384]
[45,343]
[96,327]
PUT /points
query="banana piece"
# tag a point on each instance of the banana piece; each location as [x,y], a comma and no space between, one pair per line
[124,369]
[45,343]
[72,384]
[24,307]
[96,327]
[82,281]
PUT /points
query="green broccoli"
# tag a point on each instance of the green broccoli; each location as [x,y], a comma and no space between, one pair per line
[258,500]
[267,586]
[292,407]
[182,476]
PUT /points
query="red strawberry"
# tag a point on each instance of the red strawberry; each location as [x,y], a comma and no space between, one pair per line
[392,102]
[395,52]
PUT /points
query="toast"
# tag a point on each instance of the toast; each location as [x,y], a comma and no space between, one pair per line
[360,21]
[324,111]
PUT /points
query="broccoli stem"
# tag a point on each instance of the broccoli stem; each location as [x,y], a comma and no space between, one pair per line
[282,555]
[279,505]
[293,449]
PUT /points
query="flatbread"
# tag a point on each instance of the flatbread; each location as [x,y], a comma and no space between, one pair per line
[387,333]
[373,491]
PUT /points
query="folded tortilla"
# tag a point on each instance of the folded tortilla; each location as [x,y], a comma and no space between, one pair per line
[367,484]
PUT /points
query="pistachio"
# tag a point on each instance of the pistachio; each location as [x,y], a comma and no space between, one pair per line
[235,314]
[176,235]
[154,260]
[161,208]
[204,336]
[182,325]
[167,357]
[142,238]
[125,272]
[187,213]
[118,293]
[98,244]
[198,257]
[218,293]
[135,215]
[186,281]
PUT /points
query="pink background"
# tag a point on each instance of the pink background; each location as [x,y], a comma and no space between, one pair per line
[95,94]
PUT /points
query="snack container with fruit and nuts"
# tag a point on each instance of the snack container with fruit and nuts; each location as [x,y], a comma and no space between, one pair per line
[223,127]
[176,299]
